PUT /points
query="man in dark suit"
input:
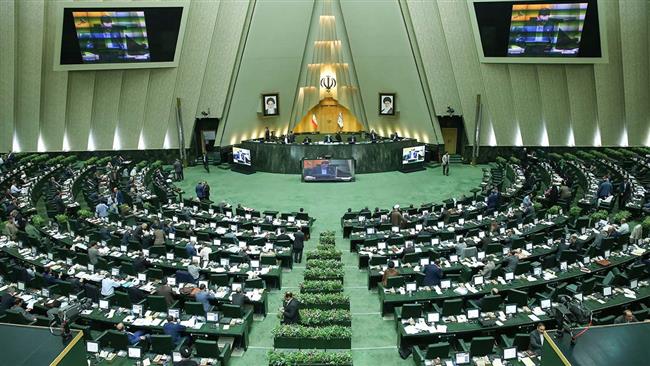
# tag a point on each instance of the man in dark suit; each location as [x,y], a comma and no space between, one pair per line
[7,300]
[298,246]
[306,140]
[493,200]
[604,189]
[627,317]
[267,134]
[328,139]
[373,136]
[238,298]
[338,137]
[537,338]
[432,274]
[352,139]
[625,191]
[291,311]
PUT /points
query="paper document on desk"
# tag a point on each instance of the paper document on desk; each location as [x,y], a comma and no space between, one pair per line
[527,361]
[538,311]
[410,329]
[441,328]
[533,317]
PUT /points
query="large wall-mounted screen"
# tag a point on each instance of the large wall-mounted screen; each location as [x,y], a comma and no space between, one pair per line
[328,170]
[538,31]
[124,35]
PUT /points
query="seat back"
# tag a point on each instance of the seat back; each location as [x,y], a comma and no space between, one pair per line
[14,317]
[161,344]
[395,281]
[254,283]
[521,341]
[452,307]
[207,349]
[481,346]
[219,279]
[194,308]
[157,303]
[491,303]
[231,311]
[122,299]
[411,311]
[114,339]
[438,350]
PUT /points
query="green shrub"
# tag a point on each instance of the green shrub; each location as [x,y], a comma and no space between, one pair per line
[316,299]
[555,156]
[91,161]
[321,286]
[61,219]
[554,210]
[327,238]
[318,317]
[599,215]
[515,160]
[278,358]
[537,206]
[141,165]
[85,214]
[569,156]
[575,211]
[620,215]
[69,160]
[324,253]
[324,263]
[584,155]
[38,221]
[157,164]
[324,333]
[318,273]
[501,161]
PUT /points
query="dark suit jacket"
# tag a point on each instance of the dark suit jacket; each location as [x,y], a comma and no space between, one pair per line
[535,341]
[291,314]
[238,299]
[432,275]
[299,240]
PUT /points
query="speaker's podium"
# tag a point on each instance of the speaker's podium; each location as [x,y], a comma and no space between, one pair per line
[606,345]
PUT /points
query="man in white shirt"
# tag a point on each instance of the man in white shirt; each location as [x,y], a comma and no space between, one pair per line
[15,190]
[623,229]
[108,286]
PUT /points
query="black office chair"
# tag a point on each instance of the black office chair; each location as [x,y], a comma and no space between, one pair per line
[114,339]
[194,308]
[479,346]
[450,307]
[161,344]
[210,349]
[433,351]
[411,311]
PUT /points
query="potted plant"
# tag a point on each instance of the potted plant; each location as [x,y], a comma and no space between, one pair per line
[298,336]
[598,216]
[85,214]
[38,221]
[645,224]
[622,215]
[63,221]
[317,286]
[309,358]
[323,301]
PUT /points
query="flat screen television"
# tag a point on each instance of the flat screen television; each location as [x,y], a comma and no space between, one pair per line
[119,35]
[327,170]
[412,155]
[564,31]
[241,156]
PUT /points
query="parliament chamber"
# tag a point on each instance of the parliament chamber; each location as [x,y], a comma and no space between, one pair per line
[325,182]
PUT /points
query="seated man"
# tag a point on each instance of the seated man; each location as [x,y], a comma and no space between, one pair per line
[186,358]
[389,272]
[174,329]
[537,338]
[134,337]
[204,297]
[432,274]
[627,317]
[18,306]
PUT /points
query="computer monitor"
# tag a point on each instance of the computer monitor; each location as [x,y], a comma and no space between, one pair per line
[424,261]
[224,261]
[511,309]
[537,271]
[418,227]
[586,260]
[169,256]
[176,357]
[137,309]
[370,230]
[411,286]
[478,280]
[255,263]
[473,314]
[462,358]
[445,284]
[104,304]
[480,255]
[433,317]
[135,352]
[45,292]
[381,245]
[545,304]
[115,271]
[212,317]
[235,286]
[510,353]
[634,283]
[578,296]
[453,258]
[171,281]
[607,291]
[435,241]
[510,276]
[92,347]
[174,312]
[142,277]
[395,229]
[563,266]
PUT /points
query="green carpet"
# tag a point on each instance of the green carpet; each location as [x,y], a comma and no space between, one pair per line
[373,338]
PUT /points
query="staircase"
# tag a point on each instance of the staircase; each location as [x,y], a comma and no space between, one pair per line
[455,159]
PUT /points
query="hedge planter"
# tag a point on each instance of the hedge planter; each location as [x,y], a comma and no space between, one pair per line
[309,358]
[312,343]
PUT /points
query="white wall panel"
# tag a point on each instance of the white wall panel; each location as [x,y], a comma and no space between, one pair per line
[157,115]
[79,112]
[582,103]
[495,76]
[29,54]
[554,94]
[133,100]
[106,103]
[7,72]
[527,103]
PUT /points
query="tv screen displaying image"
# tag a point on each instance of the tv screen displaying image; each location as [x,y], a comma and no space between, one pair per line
[241,156]
[94,36]
[412,155]
[566,31]
[546,29]
[328,170]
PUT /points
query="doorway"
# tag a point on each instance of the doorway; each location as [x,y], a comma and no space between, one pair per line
[452,133]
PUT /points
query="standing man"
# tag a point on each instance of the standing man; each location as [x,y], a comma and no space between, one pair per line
[290,311]
[298,246]
[199,190]
[396,217]
[445,163]
[537,338]
[205,162]
[178,169]
[625,191]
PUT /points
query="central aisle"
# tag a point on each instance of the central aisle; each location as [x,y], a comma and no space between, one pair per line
[373,338]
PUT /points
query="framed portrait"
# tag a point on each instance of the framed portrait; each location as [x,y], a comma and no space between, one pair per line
[271,104]
[386,104]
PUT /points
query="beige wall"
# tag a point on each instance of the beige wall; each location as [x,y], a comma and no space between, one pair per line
[522,103]
[113,106]
[526,100]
